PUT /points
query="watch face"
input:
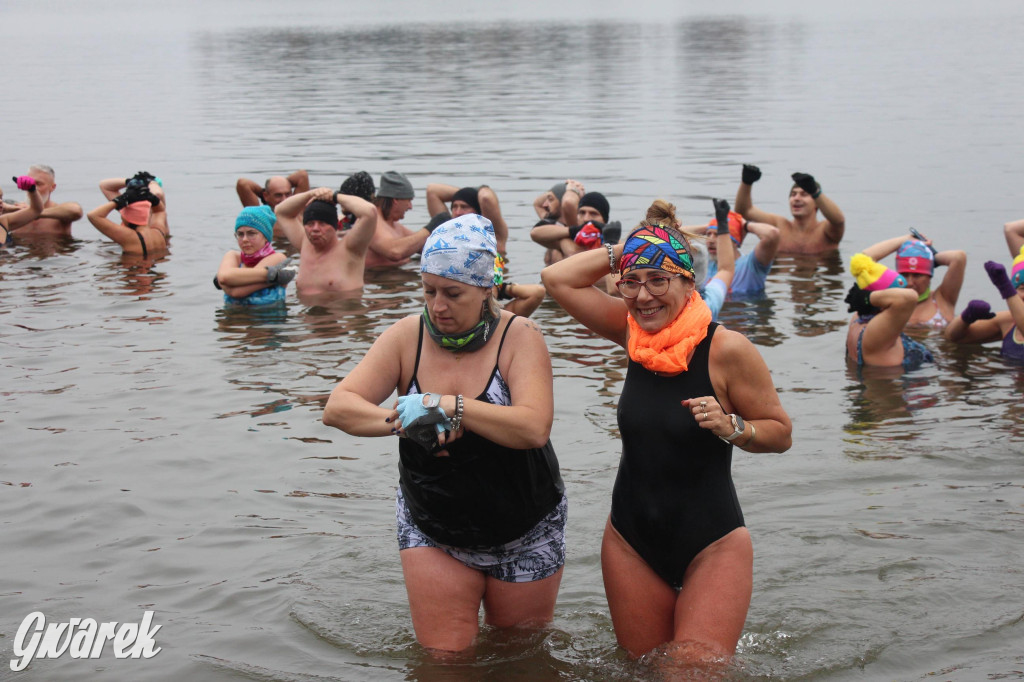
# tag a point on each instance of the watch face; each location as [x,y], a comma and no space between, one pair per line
[738,422]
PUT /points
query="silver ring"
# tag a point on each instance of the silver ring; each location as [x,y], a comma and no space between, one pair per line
[703,403]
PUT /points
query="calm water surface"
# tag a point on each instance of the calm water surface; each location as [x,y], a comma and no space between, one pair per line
[162,453]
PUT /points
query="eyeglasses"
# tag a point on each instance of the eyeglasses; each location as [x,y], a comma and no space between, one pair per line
[656,286]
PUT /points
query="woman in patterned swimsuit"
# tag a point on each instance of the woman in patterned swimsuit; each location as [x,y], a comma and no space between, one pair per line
[480,508]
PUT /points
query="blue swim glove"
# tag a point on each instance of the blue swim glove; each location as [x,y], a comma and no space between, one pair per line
[422,422]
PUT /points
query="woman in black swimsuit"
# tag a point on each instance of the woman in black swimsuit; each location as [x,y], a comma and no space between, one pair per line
[676,557]
[481,508]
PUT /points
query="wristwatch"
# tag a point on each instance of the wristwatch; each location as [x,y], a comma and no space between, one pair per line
[737,425]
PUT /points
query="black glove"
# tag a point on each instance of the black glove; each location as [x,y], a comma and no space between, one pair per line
[721,215]
[140,180]
[437,221]
[216,283]
[129,196]
[146,195]
[859,301]
[611,233]
[751,174]
[806,183]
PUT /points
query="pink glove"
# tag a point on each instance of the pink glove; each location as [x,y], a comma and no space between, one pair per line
[25,182]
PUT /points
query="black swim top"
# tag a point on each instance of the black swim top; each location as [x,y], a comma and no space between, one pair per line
[483,494]
[674,493]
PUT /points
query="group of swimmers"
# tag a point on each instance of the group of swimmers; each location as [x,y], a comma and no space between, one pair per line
[335,250]
[481,506]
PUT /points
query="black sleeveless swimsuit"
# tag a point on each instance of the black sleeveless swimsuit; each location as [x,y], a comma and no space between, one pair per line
[674,494]
[483,494]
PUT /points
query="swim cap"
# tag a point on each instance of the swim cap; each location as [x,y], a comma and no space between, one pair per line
[872,276]
[736,223]
[261,218]
[1017,273]
[596,200]
[394,185]
[359,185]
[914,256]
[462,249]
[324,211]
[136,213]
[470,196]
[558,189]
[652,246]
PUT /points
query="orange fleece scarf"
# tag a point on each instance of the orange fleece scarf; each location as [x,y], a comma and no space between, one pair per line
[669,349]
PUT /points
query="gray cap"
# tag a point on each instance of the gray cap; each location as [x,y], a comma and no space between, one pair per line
[394,185]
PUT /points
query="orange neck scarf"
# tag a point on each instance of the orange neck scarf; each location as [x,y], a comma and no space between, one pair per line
[669,349]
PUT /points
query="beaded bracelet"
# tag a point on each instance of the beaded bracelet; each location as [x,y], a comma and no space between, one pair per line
[457,419]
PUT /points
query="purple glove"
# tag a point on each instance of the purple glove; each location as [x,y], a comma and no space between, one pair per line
[997,273]
[25,182]
[977,310]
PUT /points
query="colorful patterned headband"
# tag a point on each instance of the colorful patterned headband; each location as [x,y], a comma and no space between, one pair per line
[653,246]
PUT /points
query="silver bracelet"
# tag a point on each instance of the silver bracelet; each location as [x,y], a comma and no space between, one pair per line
[457,419]
[613,267]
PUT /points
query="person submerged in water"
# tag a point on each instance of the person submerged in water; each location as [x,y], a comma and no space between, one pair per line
[256,274]
[883,305]
[916,260]
[804,233]
[10,221]
[134,233]
[978,324]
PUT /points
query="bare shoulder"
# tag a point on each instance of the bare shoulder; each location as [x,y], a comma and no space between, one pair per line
[523,330]
[730,347]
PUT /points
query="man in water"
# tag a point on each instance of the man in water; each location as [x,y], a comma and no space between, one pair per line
[393,243]
[329,263]
[56,218]
[805,233]
[480,200]
[588,228]
[275,190]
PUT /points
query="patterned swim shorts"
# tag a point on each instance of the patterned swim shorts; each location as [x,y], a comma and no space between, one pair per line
[536,555]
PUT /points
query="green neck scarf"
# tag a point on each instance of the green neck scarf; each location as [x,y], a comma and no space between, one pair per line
[467,341]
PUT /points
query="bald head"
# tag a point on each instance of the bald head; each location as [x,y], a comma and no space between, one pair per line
[276,190]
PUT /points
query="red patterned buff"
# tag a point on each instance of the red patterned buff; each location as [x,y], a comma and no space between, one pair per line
[652,246]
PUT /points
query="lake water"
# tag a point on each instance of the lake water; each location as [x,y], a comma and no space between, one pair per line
[162,453]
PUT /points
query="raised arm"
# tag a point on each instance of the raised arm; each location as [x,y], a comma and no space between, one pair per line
[768,238]
[1014,233]
[438,197]
[20,218]
[111,187]
[491,209]
[125,236]
[289,215]
[976,324]
[299,180]
[359,237]
[880,250]
[250,192]
[574,191]
[723,244]
[744,204]
[836,221]
[571,282]
[956,265]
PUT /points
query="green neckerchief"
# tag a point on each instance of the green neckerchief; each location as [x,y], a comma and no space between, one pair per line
[466,341]
[924,297]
